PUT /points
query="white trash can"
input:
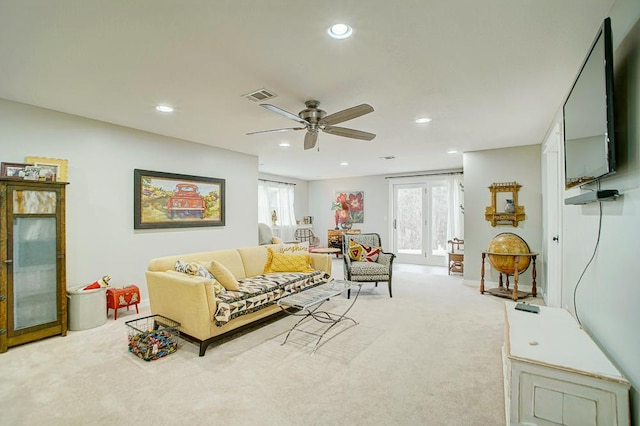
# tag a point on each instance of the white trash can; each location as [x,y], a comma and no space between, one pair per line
[86,308]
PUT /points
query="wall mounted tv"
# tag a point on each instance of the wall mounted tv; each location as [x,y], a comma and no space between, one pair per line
[589,141]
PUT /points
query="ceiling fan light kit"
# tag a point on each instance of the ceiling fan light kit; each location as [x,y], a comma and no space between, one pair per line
[314,119]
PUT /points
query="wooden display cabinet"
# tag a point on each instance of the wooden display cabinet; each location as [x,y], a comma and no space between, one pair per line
[335,237]
[33,302]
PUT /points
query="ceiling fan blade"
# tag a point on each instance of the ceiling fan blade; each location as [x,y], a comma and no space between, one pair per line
[310,140]
[277,130]
[284,113]
[349,133]
[347,114]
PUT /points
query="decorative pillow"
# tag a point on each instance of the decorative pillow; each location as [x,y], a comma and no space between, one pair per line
[200,270]
[355,251]
[370,254]
[219,288]
[224,276]
[295,248]
[279,262]
[276,240]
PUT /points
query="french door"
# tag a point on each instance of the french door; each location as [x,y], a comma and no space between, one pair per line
[420,222]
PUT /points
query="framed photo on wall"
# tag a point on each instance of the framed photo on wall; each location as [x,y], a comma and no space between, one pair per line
[170,200]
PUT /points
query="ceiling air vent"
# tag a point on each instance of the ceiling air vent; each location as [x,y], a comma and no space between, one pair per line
[260,95]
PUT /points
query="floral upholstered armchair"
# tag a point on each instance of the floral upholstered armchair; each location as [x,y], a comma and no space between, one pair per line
[364,260]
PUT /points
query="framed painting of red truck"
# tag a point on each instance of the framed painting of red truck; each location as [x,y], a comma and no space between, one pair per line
[170,200]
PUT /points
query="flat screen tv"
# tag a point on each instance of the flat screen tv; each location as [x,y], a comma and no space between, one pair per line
[589,141]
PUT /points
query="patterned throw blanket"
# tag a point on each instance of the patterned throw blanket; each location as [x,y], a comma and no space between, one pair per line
[263,290]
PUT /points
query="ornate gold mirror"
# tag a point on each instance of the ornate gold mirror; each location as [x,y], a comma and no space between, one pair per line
[504,208]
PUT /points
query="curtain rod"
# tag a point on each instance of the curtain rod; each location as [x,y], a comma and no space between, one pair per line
[425,174]
[276,181]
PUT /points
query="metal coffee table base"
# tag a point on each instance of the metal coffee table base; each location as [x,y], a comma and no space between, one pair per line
[309,303]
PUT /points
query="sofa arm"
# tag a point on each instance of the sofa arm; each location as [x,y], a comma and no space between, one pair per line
[187,299]
[321,262]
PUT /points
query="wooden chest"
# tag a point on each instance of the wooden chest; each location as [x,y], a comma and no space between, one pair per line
[122,298]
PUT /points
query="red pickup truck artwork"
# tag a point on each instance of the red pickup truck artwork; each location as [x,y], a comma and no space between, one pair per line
[186,201]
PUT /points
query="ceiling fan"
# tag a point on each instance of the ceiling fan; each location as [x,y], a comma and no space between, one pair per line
[314,119]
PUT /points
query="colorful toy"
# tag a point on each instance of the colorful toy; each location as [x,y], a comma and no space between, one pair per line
[102,282]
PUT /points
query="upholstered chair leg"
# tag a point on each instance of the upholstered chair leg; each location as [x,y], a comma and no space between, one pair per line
[376,283]
[349,294]
[390,294]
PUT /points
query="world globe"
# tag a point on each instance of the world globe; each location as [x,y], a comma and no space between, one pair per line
[508,243]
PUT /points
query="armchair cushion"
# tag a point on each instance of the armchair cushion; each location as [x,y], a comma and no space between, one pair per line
[369,269]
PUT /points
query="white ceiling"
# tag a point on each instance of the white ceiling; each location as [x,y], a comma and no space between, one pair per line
[490,73]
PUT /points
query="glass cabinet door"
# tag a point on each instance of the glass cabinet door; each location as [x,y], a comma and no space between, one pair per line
[35,285]
[33,281]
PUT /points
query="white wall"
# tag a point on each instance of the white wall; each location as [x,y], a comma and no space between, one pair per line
[608,294]
[376,205]
[100,235]
[481,169]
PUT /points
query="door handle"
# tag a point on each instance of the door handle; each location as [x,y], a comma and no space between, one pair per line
[556,238]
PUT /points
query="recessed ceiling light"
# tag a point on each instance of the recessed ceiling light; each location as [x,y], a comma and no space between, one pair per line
[423,120]
[340,31]
[285,144]
[453,151]
[344,163]
[164,108]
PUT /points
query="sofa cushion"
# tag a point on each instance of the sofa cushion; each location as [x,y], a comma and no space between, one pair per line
[223,275]
[255,293]
[254,259]
[279,262]
[231,259]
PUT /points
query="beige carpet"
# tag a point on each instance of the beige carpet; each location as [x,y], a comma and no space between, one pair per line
[429,356]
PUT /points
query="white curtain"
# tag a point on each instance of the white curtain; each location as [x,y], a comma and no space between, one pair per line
[456,207]
[278,197]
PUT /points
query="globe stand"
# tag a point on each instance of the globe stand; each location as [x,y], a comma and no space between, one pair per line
[504,291]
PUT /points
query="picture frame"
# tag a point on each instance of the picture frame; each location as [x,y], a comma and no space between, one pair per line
[353,204]
[13,170]
[172,200]
[48,166]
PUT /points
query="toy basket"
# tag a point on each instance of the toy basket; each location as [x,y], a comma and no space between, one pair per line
[153,337]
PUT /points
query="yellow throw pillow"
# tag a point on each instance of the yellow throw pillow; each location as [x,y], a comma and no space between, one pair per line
[278,262]
[224,276]
[355,251]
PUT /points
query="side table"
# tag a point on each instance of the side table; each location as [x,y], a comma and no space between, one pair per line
[326,250]
[122,298]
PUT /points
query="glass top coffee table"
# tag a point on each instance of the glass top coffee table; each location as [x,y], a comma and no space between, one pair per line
[307,303]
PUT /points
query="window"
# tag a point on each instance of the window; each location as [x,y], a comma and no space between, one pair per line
[278,197]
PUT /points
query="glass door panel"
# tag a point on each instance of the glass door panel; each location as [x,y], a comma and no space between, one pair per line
[421,222]
[438,201]
[409,220]
[34,286]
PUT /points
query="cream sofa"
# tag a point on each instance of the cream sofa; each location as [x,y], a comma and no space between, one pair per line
[204,314]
